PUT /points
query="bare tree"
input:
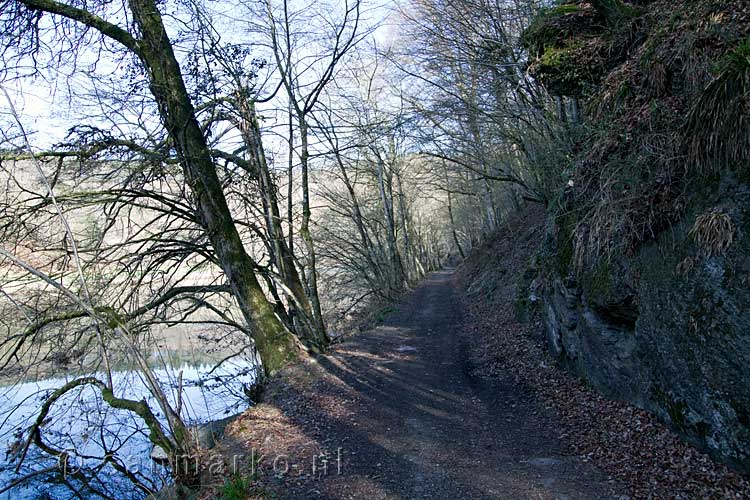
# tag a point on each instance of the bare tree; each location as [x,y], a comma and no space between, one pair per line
[110,331]
[372,236]
[480,112]
[305,73]
[165,178]
[153,51]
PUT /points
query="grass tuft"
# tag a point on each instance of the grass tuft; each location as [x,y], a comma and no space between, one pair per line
[236,488]
[713,232]
[718,127]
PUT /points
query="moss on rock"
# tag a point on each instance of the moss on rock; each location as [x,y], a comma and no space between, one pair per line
[569,43]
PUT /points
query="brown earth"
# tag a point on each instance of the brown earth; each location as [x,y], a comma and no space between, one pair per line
[398,414]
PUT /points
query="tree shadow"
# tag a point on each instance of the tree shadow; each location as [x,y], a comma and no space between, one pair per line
[399,416]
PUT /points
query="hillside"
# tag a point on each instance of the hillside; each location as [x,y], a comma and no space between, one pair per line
[644,266]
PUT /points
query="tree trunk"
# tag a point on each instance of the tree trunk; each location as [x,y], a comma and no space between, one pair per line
[404,216]
[396,270]
[290,186]
[250,129]
[312,279]
[275,344]
[490,219]
[453,221]
[560,105]
[575,113]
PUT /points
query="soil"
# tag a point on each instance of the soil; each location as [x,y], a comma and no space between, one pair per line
[399,412]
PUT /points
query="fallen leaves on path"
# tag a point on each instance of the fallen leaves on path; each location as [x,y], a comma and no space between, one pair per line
[624,441]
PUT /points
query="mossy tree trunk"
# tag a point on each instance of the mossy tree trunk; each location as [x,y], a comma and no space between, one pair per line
[275,344]
[179,447]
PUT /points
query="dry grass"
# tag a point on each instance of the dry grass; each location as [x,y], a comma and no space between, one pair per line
[719,122]
[713,232]
[676,107]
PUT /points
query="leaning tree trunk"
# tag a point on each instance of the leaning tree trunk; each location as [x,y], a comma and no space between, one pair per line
[275,344]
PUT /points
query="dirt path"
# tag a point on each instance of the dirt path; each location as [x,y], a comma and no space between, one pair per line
[408,422]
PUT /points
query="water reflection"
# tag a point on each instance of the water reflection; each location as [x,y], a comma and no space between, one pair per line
[211,383]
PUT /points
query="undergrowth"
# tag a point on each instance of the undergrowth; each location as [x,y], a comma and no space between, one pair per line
[667,98]
[236,488]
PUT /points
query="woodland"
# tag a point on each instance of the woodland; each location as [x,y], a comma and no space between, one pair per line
[258,178]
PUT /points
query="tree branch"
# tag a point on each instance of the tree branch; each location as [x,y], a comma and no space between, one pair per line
[87,18]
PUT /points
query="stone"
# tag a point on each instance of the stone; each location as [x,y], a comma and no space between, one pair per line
[674,343]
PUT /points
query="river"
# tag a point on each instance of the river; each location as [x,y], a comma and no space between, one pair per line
[212,381]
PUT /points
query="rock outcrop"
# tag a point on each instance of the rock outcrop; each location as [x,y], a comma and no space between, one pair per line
[670,332]
[646,267]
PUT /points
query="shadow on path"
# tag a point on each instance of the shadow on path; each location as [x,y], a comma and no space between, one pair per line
[397,405]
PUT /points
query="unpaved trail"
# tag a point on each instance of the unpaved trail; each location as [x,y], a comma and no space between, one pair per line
[417,426]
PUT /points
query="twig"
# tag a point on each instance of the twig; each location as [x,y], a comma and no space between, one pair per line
[28,476]
[68,232]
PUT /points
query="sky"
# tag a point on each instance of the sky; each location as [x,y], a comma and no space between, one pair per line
[46,111]
[43,114]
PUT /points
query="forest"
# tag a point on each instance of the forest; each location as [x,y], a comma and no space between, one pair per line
[422,248]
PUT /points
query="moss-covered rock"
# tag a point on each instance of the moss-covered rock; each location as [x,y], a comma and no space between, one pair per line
[552,27]
[648,274]
[669,327]
[569,44]
[570,70]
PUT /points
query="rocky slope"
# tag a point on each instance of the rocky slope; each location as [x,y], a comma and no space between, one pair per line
[506,328]
[645,273]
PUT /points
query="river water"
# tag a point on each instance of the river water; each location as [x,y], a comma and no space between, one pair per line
[212,389]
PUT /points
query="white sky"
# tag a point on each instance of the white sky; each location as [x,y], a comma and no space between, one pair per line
[47,113]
